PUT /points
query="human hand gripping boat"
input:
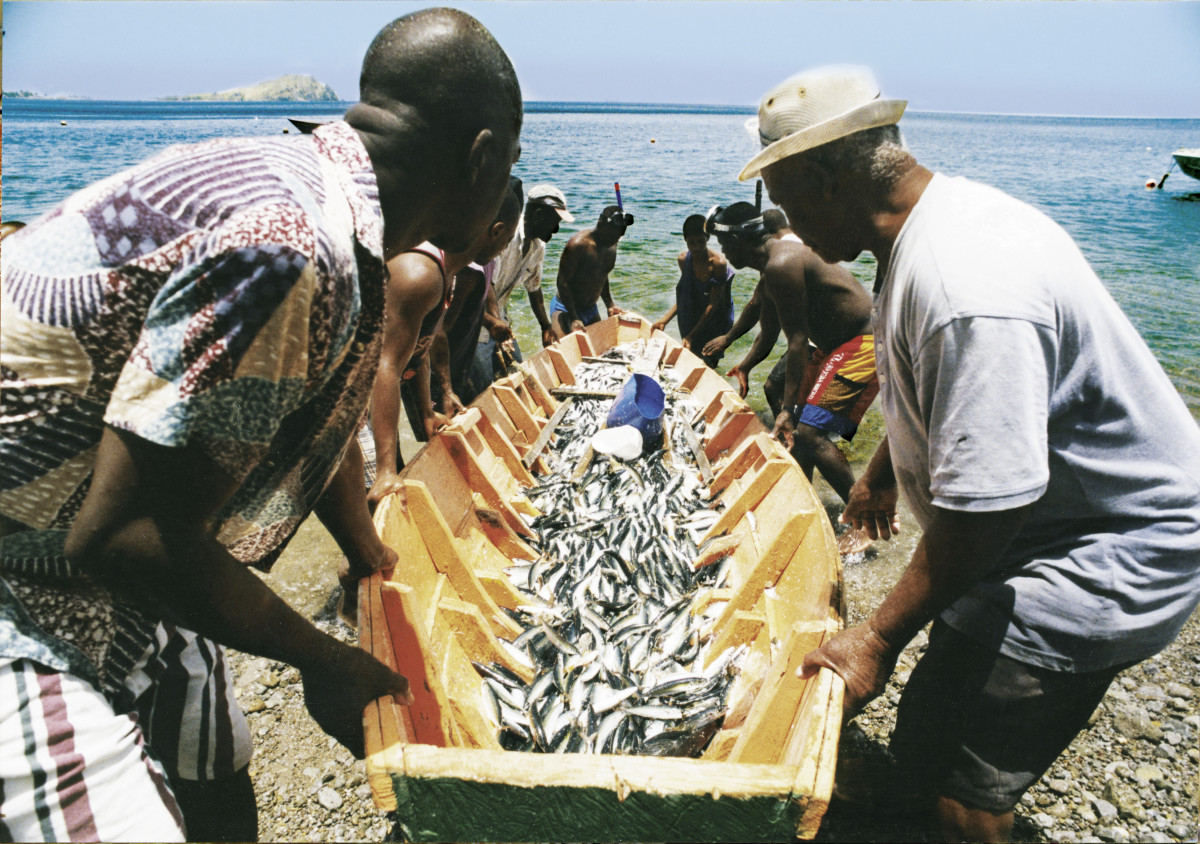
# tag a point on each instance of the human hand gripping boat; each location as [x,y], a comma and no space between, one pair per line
[605,649]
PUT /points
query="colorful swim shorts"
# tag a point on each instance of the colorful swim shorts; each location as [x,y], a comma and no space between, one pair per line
[844,387]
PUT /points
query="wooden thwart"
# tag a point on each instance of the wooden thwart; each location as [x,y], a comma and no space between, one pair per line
[440,541]
[693,441]
[764,735]
[583,393]
[547,432]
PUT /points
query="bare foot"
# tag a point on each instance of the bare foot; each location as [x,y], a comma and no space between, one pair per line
[853,541]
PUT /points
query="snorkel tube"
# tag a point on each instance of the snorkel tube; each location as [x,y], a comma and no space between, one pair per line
[620,218]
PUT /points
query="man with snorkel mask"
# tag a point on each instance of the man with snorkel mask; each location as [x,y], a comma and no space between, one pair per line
[583,270]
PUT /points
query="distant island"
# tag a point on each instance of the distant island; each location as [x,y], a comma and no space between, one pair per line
[38,95]
[295,87]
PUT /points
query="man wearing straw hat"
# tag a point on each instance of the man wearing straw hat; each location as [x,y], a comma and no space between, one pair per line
[1051,464]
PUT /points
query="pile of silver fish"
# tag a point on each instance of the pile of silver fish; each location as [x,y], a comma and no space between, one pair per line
[609,627]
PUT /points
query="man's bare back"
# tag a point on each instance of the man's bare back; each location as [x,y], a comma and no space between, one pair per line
[822,300]
[812,303]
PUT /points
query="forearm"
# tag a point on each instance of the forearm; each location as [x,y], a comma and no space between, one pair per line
[702,323]
[493,323]
[880,473]
[606,295]
[796,362]
[185,575]
[758,351]
[421,393]
[492,318]
[342,509]
[745,320]
[566,298]
[385,419]
[537,302]
[439,362]
[956,551]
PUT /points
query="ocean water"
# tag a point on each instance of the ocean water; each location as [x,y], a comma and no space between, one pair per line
[1089,174]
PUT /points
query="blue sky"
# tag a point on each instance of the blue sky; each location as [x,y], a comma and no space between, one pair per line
[1129,58]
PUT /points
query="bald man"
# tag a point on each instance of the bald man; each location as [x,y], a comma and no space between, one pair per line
[188,373]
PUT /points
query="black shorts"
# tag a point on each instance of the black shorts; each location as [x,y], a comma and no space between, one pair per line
[981,728]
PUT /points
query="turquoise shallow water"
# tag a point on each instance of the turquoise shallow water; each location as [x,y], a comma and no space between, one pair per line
[1088,174]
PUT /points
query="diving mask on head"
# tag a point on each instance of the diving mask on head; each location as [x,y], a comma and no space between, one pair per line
[618,219]
[745,228]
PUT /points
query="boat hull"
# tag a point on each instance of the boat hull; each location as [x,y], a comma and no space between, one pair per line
[1188,161]
[766,775]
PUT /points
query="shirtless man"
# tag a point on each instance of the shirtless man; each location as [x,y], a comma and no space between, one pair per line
[418,294]
[810,301]
[775,223]
[583,270]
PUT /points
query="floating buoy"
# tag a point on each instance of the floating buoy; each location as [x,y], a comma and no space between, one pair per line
[1150,183]
[652,140]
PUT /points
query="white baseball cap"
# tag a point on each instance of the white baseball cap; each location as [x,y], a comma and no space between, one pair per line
[552,196]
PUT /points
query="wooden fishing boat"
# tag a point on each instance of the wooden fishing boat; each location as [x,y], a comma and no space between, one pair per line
[766,775]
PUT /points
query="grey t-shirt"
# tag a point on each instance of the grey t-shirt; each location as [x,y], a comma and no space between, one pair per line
[1009,376]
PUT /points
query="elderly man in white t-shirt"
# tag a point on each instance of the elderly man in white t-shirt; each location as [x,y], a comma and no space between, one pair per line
[1053,467]
[521,262]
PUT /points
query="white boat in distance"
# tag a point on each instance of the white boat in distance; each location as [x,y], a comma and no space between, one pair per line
[1188,161]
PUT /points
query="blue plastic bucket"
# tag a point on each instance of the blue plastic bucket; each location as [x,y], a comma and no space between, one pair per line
[640,403]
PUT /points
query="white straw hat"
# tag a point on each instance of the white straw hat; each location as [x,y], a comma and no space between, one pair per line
[815,107]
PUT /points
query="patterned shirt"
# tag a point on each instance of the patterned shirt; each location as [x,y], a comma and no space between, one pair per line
[226,295]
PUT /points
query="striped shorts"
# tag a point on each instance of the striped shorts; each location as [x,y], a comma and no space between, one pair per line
[177,682]
[71,769]
[183,695]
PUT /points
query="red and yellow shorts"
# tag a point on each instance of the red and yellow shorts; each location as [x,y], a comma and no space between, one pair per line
[841,386]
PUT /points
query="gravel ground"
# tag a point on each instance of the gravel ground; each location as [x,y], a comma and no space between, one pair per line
[1131,776]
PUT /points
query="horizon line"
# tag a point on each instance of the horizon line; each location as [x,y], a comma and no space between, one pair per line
[727,107]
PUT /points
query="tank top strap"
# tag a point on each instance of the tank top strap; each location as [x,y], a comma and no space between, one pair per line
[439,257]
